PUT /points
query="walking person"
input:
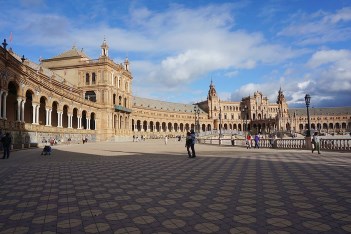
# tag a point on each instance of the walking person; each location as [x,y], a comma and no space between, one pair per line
[6,144]
[257,141]
[188,142]
[193,140]
[232,138]
[248,141]
[166,140]
[316,143]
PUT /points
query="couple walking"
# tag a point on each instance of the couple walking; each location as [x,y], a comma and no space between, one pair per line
[190,143]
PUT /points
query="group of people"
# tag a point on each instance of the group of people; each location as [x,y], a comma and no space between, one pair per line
[256,139]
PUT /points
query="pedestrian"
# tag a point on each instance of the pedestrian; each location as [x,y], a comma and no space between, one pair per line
[188,142]
[271,141]
[316,143]
[193,140]
[232,138]
[248,141]
[6,145]
[166,140]
[257,141]
[133,138]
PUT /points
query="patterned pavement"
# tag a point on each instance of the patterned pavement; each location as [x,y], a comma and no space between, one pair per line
[149,187]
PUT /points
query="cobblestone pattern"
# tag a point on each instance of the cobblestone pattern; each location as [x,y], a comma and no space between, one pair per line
[246,192]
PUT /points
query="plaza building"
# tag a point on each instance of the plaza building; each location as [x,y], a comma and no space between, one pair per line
[71,97]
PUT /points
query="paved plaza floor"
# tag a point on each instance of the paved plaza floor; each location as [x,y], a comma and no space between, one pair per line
[150,187]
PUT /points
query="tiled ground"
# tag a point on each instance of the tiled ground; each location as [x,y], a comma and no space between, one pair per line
[149,187]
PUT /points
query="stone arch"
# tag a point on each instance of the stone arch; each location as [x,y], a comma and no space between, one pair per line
[139,125]
[152,126]
[301,127]
[28,107]
[145,125]
[169,127]
[65,116]
[92,121]
[75,118]
[84,119]
[176,126]
[187,127]
[54,115]
[331,126]
[157,126]
[11,101]
[181,126]
[42,110]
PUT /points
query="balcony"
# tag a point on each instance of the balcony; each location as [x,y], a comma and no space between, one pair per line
[123,109]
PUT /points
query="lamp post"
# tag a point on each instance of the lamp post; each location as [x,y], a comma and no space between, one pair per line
[308,134]
[220,125]
[197,119]
[308,101]
[244,110]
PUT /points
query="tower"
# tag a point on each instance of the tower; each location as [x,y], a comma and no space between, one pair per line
[104,49]
[283,115]
[213,102]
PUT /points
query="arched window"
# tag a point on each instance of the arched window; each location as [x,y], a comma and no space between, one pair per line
[93,78]
[87,78]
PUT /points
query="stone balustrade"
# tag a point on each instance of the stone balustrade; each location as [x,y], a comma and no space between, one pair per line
[325,144]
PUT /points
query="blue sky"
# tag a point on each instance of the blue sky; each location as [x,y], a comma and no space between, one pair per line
[177,47]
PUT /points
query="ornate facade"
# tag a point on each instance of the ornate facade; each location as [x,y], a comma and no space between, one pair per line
[71,96]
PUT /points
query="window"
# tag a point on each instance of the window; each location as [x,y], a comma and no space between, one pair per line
[93,78]
[87,78]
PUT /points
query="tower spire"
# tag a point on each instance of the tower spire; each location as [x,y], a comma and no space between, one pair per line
[104,48]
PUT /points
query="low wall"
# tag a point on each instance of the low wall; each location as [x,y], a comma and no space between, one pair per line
[325,144]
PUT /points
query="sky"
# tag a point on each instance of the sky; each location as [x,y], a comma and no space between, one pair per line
[176,47]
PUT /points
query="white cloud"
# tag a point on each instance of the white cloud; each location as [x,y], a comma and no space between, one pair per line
[319,27]
[328,56]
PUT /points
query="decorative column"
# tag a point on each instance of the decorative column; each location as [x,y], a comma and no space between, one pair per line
[19,100]
[34,107]
[88,124]
[69,124]
[59,119]
[47,117]
[95,124]
[22,110]
[4,109]
[79,119]
[50,112]
[37,114]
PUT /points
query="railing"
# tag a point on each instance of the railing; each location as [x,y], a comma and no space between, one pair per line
[336,144]
[325,144]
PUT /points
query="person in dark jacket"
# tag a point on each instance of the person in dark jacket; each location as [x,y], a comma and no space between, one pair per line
[6,144]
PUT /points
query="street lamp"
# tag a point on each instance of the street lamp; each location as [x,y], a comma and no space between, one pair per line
[244,110]
[220,125]
[308,101]
[197,118]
